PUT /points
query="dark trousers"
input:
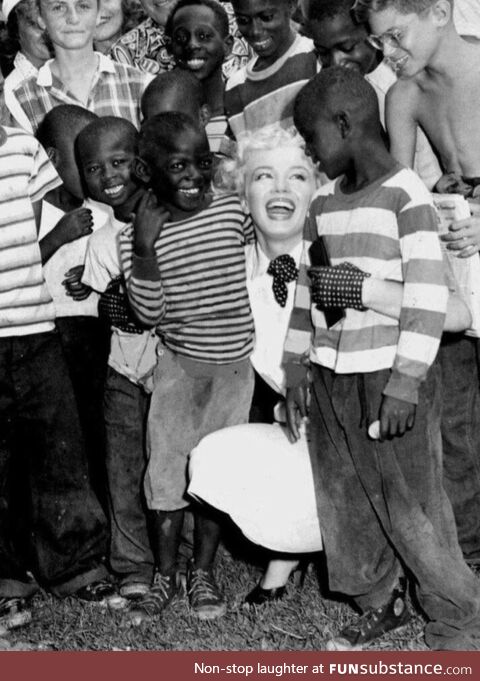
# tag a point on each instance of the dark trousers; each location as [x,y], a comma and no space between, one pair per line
[126,406]
[459,358]
[39,424]
[379,500]
[86,343]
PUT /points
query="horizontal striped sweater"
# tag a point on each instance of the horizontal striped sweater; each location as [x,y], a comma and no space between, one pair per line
[194,291]
[26,175]
[389,229]
[256,99]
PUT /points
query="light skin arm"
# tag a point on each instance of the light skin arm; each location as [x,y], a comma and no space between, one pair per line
[401,122]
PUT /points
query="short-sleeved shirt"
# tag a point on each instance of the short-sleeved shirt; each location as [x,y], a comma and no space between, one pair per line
[26,175]
[116,91]
[146,47]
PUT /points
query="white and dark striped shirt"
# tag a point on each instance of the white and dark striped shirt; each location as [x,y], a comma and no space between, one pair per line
[388,229]
[194,291]
[26,175]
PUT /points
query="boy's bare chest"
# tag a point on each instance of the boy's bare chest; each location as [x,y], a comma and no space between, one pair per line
[452,124]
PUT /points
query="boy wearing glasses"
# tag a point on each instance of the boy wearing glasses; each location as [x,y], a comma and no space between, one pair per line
[438,89]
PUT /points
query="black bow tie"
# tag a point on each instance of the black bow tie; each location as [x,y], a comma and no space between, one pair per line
[283,270]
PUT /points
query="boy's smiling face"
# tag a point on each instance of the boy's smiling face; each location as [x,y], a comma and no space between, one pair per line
[408,40]
[70,23]
[106,162]
[265,25]
[197,41]
[340,42]
[279,184]
[180,176]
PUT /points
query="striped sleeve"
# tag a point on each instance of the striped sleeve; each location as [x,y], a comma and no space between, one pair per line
[300,329]
[425,295]
[144,286]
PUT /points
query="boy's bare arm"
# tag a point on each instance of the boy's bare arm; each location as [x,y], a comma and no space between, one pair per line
[401,121]
[73,225]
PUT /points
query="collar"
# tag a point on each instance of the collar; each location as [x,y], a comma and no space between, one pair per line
[259,261]
[45,76]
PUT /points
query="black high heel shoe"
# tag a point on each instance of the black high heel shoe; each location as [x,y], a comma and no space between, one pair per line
[260,596]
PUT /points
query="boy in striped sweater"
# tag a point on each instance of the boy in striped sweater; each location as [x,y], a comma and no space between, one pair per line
[184,266]
[379,495]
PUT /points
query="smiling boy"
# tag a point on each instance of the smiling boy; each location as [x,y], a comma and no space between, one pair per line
[77,74]
[263,92]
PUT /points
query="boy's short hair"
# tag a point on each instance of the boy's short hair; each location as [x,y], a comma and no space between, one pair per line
[180,82]
[362,7]
[218,9]
[340,89]
[106,124]
[319,10]
[60,122]
[230,174]
[159,132]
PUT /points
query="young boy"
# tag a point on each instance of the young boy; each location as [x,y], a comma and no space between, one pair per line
[106,152]
[175,90]
[146,46]
[67,223]
[341,40]
[200,43]
[184,263]
[415,37]
[263,92]
[379,501]
[77,74]
[39,423]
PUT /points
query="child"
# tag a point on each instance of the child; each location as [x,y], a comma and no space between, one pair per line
[444,104]
[38,418]
[263,92]
[341,40]
[67,222]
[146,46]
[175,90]
[106,153]
[77,74]
[30,47]
[200,43]
[184,264]
[377,498]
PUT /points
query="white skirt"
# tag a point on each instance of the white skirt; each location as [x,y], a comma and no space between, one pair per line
[263,482]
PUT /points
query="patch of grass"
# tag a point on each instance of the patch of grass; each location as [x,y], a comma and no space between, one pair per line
[304,620]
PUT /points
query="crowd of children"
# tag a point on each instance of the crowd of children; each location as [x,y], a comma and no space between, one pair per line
[225,216]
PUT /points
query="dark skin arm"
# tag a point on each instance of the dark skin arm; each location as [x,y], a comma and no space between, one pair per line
[396,417]
[296,408]
[71,226]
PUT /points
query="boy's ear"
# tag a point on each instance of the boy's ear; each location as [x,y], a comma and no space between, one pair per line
[442,12]
[41,22]
[52,154]
[142,170]
[204,114]
[343,123]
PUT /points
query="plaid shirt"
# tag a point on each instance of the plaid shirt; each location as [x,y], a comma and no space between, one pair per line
[116,91]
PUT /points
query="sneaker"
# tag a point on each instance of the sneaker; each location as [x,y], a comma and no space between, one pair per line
[204,595]
[98,592]
[153,603]
[373,623]
[14,613]
[133,591]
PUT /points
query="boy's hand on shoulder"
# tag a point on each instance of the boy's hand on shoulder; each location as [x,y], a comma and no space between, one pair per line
[296,408]
[396,417]
[73,284]
[148,224]
[74,225]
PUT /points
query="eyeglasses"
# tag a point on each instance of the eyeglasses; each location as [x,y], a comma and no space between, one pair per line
[391,38]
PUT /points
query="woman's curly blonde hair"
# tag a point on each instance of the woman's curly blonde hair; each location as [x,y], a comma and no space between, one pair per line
[230,174]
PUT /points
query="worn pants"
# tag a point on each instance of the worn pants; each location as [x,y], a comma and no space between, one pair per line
[39,425]
[189,401]
[379,500]
[126,406]
[460,362]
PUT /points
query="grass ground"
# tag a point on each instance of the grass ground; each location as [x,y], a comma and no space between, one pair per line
[304,620]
